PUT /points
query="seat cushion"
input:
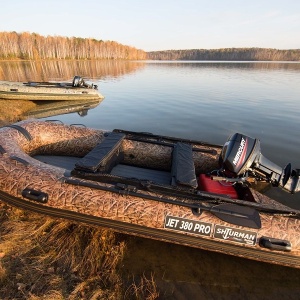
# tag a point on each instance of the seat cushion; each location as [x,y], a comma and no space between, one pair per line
[183,168]
[104,156]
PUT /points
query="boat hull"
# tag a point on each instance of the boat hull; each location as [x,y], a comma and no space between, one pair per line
[143,212]
[19,91]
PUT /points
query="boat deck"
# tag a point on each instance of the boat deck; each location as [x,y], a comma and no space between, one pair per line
[68,163]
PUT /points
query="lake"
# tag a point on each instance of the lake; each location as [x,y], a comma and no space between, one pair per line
[198,100]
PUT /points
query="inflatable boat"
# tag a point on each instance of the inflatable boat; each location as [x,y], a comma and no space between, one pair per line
[175,190]
[78,89]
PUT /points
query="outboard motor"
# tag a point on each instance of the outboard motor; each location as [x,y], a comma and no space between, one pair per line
[79,82]
[241,155]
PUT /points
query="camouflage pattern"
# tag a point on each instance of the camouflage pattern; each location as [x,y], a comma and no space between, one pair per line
[58,139]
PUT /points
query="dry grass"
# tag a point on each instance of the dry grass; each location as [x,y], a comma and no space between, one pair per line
[144,288]
[45,258]
[12,110]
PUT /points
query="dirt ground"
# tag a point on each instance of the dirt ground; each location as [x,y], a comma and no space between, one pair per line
[187,273]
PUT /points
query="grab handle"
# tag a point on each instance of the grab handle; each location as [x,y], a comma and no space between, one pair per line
[35,195]
[275,244]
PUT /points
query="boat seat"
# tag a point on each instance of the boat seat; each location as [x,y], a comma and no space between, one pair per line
[104,156]
[183,168]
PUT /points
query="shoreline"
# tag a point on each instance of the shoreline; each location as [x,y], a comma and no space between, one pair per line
[12,110]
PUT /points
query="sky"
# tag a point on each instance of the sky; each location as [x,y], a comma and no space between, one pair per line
[153,25]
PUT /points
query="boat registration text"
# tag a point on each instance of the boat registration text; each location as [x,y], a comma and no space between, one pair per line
[186,225]
[208,229]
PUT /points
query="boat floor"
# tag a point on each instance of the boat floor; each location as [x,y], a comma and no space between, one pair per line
[68,163]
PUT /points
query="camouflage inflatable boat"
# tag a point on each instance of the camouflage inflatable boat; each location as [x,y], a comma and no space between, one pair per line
[180,191]
[78,89]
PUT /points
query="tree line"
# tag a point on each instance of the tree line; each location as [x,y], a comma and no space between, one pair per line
[227,54]
[32,46]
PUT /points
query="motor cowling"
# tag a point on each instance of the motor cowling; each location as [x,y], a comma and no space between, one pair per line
[241,154]
[79,82]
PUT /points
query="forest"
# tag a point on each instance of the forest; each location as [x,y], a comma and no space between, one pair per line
[227,54]
[32,46]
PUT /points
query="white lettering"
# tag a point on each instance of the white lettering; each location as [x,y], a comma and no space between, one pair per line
[230,233]
[172,223]
[239,152]
[181,224]
[202,228]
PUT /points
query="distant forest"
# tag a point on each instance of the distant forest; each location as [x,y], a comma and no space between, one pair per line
[32,46]
[227,54]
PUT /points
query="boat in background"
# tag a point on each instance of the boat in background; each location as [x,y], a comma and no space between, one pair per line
[170,189]
[78,89]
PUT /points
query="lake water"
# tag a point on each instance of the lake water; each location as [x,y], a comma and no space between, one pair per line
[198,100]
[206,101]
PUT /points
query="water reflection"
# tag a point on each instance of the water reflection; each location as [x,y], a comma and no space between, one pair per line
[65,70]
[291,66]
[44,109]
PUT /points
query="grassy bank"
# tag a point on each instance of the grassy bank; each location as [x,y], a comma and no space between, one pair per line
[12,110]
[45,258]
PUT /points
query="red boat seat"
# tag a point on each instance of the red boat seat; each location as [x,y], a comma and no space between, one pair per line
[205,183]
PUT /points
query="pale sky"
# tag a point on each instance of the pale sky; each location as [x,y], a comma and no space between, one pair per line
[161,24]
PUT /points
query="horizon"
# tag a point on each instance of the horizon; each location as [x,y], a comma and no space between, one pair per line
[162,25]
